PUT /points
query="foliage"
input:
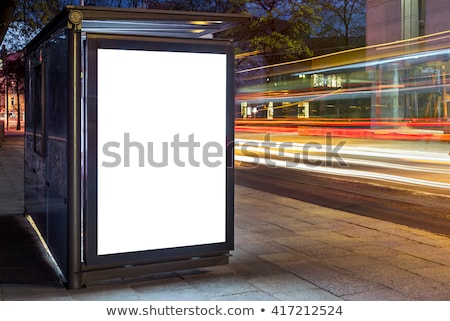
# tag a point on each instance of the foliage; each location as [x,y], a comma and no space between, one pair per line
[29,18]
[187,5]
[279,28]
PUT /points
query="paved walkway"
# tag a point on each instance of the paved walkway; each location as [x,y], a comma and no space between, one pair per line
[285,250]
[11,174]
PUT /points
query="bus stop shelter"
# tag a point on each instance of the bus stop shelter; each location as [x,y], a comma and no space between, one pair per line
[129,140]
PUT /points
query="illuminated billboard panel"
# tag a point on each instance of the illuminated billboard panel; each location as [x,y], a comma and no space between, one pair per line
[161,158]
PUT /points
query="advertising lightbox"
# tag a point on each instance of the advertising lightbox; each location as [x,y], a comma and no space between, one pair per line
[159,128]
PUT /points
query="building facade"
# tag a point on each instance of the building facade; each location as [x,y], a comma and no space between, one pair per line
[389,21]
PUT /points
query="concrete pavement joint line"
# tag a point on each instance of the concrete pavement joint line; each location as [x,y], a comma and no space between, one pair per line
[373,228]
[280,226]
[419,257]
[312,283]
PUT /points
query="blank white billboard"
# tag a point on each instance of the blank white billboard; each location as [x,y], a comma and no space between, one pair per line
[161,150]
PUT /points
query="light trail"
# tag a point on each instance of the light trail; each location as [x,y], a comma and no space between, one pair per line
[435,157]
[344,172]
[308,158]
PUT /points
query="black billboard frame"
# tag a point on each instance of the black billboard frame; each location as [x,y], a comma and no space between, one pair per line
[180,257]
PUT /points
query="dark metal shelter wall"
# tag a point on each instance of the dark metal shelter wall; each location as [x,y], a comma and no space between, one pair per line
[46,142]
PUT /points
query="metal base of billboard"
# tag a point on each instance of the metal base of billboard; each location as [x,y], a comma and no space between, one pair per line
[92,274]
[89,274]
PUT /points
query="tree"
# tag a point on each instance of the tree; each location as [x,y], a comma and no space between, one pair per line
[29,17]
[16,76]
[12,74]
[343,19]
[7,8]
[279,28]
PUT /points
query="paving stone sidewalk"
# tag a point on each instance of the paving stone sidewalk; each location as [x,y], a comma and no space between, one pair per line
[285,250]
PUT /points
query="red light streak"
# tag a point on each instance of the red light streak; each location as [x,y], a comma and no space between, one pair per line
[414,129]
